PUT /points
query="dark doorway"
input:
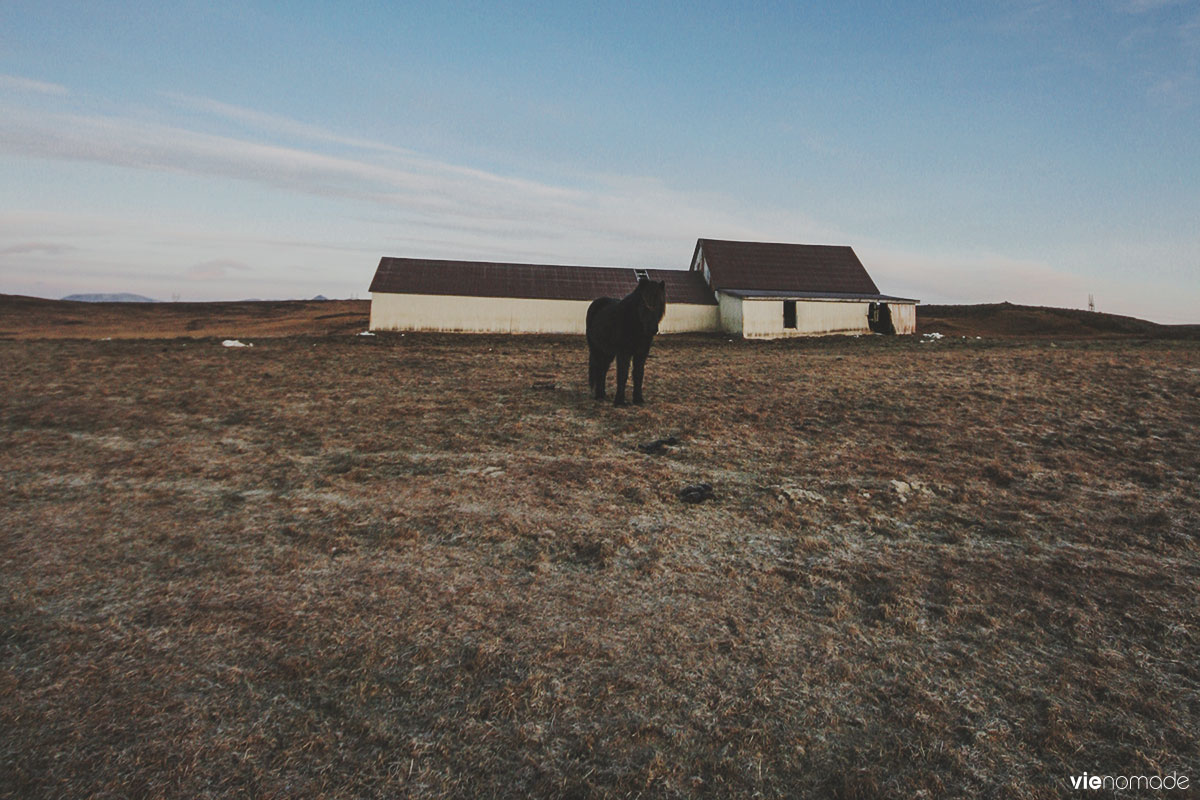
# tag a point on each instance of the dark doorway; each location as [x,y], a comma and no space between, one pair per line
[879,319]
[789,314]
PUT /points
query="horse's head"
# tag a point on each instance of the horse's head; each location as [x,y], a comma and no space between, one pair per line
[653,304]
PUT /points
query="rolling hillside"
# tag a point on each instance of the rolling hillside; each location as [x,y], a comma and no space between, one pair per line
[37,318]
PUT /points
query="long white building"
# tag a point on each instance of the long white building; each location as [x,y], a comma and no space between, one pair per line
[751,289]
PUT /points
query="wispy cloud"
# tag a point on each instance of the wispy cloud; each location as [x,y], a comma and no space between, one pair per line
[1146,6]
[1153,43]
[972,277]
[618,216]
[278,124]
[215,270]
[423,183]
[1175,46]
[1188,33]
[390,200]
[140,145]
[36,248]
[1180,91]
[18,84]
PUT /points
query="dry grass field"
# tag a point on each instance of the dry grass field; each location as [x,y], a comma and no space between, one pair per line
[428,565]
[35,318]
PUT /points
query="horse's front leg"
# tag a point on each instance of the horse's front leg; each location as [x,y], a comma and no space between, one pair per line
[639,369]
[622,378]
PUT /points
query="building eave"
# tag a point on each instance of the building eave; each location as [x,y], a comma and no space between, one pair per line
[835,297]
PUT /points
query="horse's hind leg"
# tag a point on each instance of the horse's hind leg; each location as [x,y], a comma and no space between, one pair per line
[639,369]
[622,378]
[598,364]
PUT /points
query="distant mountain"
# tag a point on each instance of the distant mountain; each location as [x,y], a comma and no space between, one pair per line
[122,297]
[320,297]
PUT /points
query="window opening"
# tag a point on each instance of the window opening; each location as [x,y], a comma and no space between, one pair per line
[789,314]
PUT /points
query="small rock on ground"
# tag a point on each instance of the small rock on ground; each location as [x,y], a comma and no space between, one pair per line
[658,445]
[697,493]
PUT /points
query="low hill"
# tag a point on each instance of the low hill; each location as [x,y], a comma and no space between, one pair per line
[1007,319]
[37,318]
[121,297]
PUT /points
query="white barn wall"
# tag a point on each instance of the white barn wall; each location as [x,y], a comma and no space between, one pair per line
[427,312]
[690,318]
[731,313]
[763,319]
[904,317]
[825,317]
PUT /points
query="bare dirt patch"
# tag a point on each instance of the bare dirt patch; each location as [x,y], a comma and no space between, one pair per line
[430,566]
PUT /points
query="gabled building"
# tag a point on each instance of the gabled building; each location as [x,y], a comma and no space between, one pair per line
[752,289]
[413,294]
[770,290]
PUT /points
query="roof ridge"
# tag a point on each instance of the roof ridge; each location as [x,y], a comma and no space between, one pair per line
[773,244]
[457,262]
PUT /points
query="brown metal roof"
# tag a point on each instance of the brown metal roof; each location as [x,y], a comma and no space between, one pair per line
[543,281]
[784,268]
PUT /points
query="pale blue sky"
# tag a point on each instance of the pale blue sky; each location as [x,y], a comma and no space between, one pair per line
[1026,150]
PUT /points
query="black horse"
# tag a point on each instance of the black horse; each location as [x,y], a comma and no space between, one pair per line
[623,329]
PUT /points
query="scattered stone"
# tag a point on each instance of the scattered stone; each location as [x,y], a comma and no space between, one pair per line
[658,445]
[906,490]
[697,493]
[484,472]
[633,494]
[795,494]
[647,523]
[998,475]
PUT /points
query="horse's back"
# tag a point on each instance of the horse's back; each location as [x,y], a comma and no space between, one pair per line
[598,305]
